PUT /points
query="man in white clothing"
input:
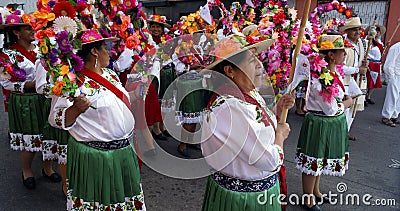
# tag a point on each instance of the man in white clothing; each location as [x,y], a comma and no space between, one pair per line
[391,106]
[354,64]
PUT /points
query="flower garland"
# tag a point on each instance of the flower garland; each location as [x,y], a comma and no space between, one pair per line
[56,28]
[277,21]
[342,8]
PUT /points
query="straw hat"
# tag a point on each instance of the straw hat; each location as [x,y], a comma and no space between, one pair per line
[156,18]
[352,23]
[249,29]
[381,28]
[91,35]
[237,43]
[332,42]
[10,17]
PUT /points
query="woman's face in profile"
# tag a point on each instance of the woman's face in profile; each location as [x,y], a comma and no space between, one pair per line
[251,72]
[104,57]
[26,33]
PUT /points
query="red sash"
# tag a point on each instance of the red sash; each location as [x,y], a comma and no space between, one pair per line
[338,80]
[31,55]
[104,82]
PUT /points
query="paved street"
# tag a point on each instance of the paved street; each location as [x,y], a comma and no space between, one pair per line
[370,156]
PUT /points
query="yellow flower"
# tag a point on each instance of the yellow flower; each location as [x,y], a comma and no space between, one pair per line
[64,70]
[327,77]
[43,48]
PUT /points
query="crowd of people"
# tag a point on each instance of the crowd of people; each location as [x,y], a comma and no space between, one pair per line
[91,92]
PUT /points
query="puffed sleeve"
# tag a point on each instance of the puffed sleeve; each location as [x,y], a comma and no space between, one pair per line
[57,114]
[234,125]
[42,84]
[316,102]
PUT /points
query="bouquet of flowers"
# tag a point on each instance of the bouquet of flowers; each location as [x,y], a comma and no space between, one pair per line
[57,26]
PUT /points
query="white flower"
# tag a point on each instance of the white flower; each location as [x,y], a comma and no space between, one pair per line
[52,40]
[286,24]
[60,78]
[63,23]
[3,74]
[4,13]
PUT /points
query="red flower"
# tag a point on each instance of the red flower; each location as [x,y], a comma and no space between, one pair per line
[138,204]
[279,17]
[314,166]
[93,84]
[118,209]
[338,167]
[54,149]
[324,162]
[341,9]
[64,9]
[77,203]
[108,208]
[304,160]
[114,77]
[36,142]
[17,141]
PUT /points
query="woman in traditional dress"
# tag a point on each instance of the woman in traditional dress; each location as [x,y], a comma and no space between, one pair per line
[25,106]
[102,168]
[241,138]
[323,144]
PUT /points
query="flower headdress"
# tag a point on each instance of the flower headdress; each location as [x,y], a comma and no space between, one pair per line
[160,19]
[318,66]
[13,17]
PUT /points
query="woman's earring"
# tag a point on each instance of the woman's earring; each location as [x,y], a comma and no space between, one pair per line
[96,62]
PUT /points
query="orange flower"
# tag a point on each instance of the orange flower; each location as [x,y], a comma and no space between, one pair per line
[132,41]
[57,88]
[327,44]
[26,18]
[43,14]
[64,70]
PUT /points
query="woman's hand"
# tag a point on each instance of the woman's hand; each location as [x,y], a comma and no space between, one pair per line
[30,87]
[281,134]
[347,101]
[81,103]
[285,102]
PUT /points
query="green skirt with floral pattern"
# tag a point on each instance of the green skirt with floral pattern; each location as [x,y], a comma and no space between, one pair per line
[323,145]
[103,179]
[54,139]
[218,198]
[25,121]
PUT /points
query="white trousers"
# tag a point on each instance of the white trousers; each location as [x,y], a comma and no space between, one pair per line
[349,118]
[391,106]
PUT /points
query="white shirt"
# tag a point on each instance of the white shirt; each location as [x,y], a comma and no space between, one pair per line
[237,144]
[392,63]
[315,101]
[112,120]
[374,54]
[26,65]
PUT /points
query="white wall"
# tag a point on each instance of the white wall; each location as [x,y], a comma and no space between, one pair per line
[29,5]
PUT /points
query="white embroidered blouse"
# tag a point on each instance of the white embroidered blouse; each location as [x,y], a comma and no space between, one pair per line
[111,120]
[236,142]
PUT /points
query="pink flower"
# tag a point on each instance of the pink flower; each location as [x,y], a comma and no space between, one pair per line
[72,77]
[316,62]
[144,79]
[225,48]
[12,19]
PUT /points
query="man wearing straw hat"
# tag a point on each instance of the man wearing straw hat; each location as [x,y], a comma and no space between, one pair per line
[354,63]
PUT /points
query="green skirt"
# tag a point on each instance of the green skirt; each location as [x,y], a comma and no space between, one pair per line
[103,178]
[218,198]
[323,145]
[54,139]
[26,121]
[191,100]
[167,77]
